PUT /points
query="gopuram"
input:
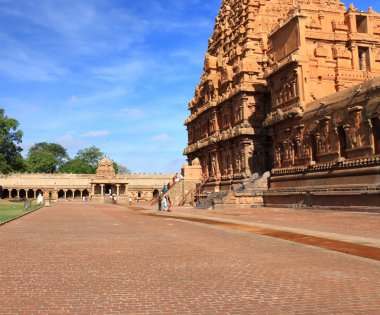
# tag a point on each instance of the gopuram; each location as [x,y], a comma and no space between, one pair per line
[290,87]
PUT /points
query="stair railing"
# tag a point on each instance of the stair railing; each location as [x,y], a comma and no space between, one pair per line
[193,191]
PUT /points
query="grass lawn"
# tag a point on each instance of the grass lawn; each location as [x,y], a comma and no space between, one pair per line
[9,210]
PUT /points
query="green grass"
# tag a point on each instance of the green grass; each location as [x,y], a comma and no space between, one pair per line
[9,210]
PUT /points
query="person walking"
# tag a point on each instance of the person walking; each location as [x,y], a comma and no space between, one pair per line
[169,204]
[165,201]
[159,203]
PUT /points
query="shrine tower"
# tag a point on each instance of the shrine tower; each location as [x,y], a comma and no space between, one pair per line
[267,60]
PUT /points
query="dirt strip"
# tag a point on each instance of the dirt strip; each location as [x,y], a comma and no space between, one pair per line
[321,242]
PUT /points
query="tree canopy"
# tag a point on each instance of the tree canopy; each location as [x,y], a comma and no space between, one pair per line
[120,169]
[76,166]
[86,162]
[91,156]
[10,151]
[46,157]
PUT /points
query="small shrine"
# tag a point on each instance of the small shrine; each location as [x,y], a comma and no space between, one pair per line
[106,182]
[105,169]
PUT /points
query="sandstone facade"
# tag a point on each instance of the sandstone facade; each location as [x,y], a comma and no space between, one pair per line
[263,101]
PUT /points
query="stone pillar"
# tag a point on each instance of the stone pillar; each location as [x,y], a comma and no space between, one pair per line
[355,58]
[65,193]
[18,193]
[117,189]
[34,193]
[215,120]
[55,194]
[126,190]
[81,194]
[102,189]
[245,109]
[371,56]
[92,189]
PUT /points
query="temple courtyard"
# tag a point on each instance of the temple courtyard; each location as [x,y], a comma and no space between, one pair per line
[84,258]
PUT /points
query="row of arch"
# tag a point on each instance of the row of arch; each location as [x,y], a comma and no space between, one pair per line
[33,193]
[20,193]
[73,194]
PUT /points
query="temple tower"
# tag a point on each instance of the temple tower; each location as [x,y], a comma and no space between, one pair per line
[266,60]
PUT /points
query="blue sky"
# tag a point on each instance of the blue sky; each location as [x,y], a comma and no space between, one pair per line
[117,74]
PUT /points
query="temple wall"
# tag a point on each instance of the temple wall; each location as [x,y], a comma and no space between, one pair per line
[75,186]
[45,180]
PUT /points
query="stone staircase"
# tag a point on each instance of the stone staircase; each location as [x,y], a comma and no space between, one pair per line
[247,194]
[175,192]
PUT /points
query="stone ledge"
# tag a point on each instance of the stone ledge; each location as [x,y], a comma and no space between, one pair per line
[338,165]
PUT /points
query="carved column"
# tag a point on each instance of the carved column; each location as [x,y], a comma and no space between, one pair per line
[245,108]
[215,120]
[65,193]
[117,189]
[102,189]
[349,136]
[218,163]
[34,193]
[18,193]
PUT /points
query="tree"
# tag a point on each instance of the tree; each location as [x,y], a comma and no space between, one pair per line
[76,166]
[46,157]
[91,156]
[41,162]
[120,169]
[10,151]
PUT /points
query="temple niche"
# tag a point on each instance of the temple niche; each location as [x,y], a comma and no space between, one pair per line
[290,87]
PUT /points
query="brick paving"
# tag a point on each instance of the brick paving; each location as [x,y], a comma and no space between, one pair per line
[360,224]
[104,259]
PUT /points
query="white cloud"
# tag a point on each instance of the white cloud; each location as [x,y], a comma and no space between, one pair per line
[161,137]
[98,96]
[73,99]
[127,71]
[97,134]
[68,141]
[23,63]
[131,113]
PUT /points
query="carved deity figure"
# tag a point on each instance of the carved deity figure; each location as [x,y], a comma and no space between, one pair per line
[238,162]
[305,150]
[213,166]
[278,157]
[351,139]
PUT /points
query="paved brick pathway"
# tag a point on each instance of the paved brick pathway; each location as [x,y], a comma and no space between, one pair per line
[104,259]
